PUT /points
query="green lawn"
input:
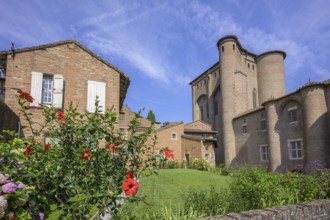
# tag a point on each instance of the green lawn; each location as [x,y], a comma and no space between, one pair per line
[168,187]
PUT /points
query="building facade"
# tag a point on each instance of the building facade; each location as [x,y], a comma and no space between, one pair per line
[59,73]
[243,97]
[186,141]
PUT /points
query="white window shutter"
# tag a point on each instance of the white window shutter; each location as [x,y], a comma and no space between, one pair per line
[58,91]
[91,95]
[95,89]
[101,86]
[36,88]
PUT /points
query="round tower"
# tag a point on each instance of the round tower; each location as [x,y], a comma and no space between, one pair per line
[228,65]
[270,73]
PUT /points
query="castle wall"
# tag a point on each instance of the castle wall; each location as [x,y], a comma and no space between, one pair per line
[248,144]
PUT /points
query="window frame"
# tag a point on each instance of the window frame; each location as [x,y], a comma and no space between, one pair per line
[296,157]
[263,122]
[293,118]
[50,91]
[207,158]
[263,153]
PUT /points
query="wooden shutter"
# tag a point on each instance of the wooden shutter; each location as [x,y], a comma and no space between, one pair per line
[91,95]
[100,92]
[58,91]
[95,89]
[36,88]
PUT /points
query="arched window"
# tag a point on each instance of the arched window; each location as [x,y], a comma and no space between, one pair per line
[254,95]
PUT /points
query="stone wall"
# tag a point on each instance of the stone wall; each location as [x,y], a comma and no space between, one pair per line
[319,209]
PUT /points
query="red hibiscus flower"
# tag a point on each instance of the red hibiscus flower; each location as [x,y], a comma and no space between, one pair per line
[27,151]
[130,175]
[113,147]
[25,95]
[60,116]
[168,153]
[47,147]
[130,186]
[86,155]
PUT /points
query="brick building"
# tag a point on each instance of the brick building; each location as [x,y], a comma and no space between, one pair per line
[192,140]
[243,97]
[59,73]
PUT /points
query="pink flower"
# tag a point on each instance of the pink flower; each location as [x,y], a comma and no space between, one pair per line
[20,186]
[9,187]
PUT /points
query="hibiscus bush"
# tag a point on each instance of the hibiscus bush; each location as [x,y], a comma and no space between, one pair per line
[88,163]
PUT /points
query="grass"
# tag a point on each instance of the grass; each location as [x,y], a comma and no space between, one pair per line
[169,186]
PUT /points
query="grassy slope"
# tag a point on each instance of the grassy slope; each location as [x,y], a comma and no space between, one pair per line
[168,187]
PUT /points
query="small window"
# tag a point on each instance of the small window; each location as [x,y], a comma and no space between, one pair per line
[223,48]
[264,152]
[253,66]
[248,65]
[263,125]
[295,147]
[254,97]
[2,87]
[122,129]
[244,129]
[173,136]
[293,115]
[207,156]
[233,46]
[201,109]
[204,81]
[215,105]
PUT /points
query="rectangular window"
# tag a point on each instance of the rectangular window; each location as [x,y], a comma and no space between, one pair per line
[264,152]
[244,129]
[202,118]
[293,115]
[295,147]
[47,89]
[263,125]
[207,156]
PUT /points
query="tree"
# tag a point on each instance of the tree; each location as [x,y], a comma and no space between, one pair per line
[151,116]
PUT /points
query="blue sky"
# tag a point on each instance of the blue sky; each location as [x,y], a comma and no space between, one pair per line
[163,45]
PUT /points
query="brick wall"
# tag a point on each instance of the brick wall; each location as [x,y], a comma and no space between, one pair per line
[319,209]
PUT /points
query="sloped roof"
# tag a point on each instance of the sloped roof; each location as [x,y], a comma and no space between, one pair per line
[124,79]
[170,125]
[198,126]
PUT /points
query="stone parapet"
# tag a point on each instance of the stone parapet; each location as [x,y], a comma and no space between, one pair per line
[319,209]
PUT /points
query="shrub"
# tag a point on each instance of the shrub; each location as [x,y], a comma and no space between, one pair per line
[212,202]
[199,164]
[89,165]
